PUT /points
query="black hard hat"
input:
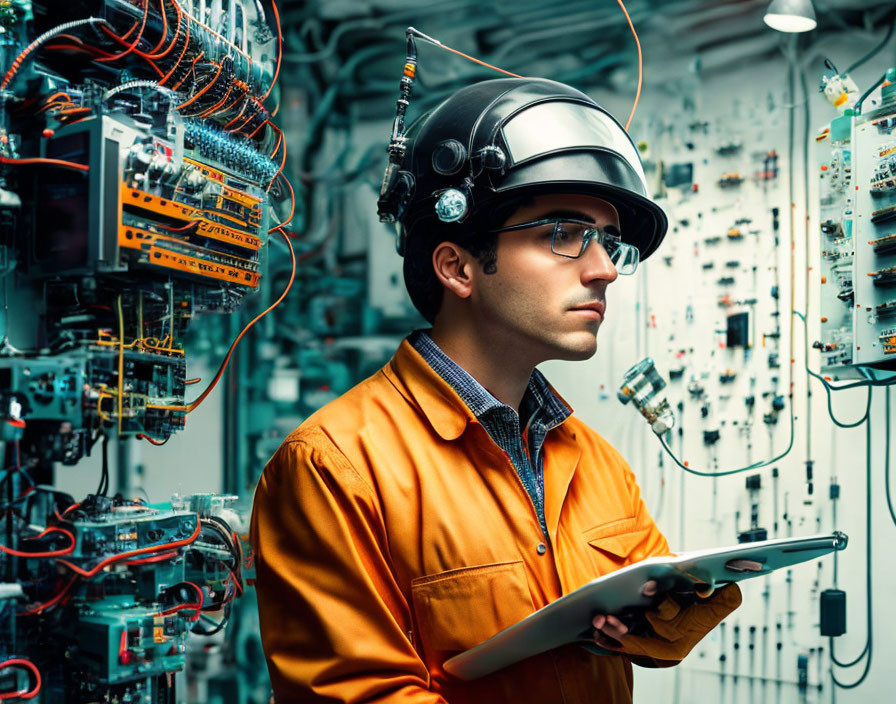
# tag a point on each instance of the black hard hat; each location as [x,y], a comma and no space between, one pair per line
[516,137]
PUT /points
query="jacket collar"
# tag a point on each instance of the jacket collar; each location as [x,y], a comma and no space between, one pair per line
[445,410]
[423,387]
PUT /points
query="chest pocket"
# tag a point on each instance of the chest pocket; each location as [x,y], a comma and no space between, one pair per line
[458,609]
[618,543]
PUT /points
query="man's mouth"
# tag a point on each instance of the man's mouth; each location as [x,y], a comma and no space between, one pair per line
[594,309]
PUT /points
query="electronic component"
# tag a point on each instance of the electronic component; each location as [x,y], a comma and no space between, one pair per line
[640,385]
[832,606]
[738,330]
[139,166]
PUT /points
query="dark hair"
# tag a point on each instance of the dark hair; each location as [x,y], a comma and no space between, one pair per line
[475,236]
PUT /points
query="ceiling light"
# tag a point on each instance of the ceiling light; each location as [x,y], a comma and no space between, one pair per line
[791,15]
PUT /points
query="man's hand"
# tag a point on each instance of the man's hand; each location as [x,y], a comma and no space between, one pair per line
[609,630]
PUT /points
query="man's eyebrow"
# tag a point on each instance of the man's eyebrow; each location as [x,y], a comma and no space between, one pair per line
[566,215]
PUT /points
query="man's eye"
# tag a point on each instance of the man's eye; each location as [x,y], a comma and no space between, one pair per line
[613,233]
[561,234]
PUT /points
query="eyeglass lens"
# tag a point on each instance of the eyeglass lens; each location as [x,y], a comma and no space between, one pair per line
[570,240]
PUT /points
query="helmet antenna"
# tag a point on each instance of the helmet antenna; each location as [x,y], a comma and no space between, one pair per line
[397,143]
[390,190]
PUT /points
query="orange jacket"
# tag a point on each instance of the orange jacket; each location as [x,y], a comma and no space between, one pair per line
[391,532]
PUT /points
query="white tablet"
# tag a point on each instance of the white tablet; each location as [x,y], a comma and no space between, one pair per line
[568,619]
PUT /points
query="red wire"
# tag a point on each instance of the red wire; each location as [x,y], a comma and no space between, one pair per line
[46,605]
[152,441]
[117,558]
[640,63]
[154,558]
[32,668]
[238,115]
[234,103]
[292,209]
[133,46]
[192,69]
[217,106]
[249,119]
[52,553]
[183,51]
[236,582]
[279,51]
[53,162]
[174,39]
[253,133]
[195,404]
[164,26]
[192,605]
[205,88]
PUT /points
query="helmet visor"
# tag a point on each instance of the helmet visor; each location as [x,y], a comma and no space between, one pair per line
[556,126]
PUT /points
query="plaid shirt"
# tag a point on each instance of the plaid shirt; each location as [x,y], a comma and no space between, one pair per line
[540,411]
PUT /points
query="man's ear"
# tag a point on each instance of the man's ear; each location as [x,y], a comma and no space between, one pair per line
[454,268]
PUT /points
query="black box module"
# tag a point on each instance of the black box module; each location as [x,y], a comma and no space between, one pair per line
[833,612]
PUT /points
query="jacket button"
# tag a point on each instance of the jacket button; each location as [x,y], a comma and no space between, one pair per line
[541,549]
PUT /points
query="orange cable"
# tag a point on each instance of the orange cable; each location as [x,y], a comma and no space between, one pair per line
[183,51]
[217,106]
[205,88]
[133,46]
[192,69]
[238,115]
[280,170]
[279,140]
[53,162]
[173,39]
[164,25]
[255,131]
[195,404]
[292,210]
[109,57]
[640,63]
[477,61]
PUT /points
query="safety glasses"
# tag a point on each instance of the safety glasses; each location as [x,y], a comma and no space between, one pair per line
[569,238]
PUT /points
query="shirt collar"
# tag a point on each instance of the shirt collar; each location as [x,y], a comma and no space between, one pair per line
[450,398]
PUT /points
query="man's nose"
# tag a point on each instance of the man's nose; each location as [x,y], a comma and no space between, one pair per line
[596,264]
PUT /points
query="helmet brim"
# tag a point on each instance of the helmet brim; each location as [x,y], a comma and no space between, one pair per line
[597,173]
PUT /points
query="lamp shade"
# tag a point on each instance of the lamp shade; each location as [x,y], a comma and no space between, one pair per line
[791,15]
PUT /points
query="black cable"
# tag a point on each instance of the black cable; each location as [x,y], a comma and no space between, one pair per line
[219,626]
[104,477]
[836,422]
[887,455]
[871,54]
[858,106]
[728,472]
[868,581]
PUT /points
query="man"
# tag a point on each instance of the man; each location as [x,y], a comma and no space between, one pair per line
[452,494]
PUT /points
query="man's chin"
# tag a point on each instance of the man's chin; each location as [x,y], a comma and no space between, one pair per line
[577,350]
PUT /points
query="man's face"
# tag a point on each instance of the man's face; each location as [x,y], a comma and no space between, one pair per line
[551,306]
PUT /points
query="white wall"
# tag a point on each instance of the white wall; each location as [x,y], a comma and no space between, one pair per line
[646,315]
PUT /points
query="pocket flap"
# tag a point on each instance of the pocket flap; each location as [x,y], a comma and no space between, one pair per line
[619,537]
[622,545]
[458,609]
